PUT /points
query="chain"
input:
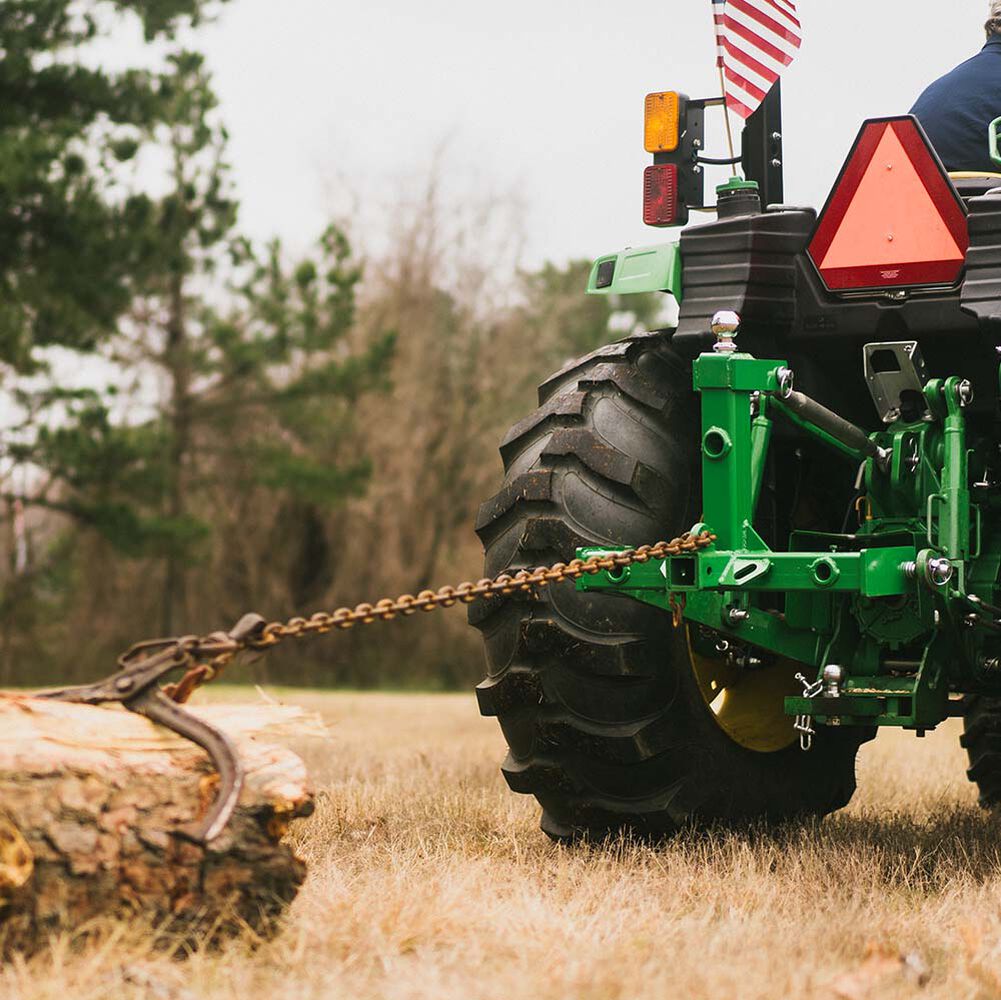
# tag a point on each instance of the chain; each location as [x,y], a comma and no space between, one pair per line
[208,654]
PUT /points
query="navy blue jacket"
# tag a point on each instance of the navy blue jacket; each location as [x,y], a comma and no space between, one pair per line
[956,110]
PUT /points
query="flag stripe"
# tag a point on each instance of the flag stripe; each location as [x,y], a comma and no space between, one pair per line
[719,6]
[746,85]
[742,57]
[755,41]
[784,11]
[766,22]
[778,64]
[735,105]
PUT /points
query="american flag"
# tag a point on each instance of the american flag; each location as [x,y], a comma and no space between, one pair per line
[755,41]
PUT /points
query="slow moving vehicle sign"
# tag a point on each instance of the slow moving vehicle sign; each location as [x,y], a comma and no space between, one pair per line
[894,218]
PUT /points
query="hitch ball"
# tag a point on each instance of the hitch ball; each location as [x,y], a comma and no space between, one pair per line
[724,326]
[833,677]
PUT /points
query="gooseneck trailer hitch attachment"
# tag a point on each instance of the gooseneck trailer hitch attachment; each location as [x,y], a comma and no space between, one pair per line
[895,618]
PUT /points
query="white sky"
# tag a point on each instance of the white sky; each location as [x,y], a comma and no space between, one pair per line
[334,106]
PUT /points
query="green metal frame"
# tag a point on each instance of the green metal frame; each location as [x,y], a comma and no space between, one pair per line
[866,601]
[640,269]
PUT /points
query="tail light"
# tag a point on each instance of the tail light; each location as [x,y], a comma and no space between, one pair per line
[673,132]
[660,194]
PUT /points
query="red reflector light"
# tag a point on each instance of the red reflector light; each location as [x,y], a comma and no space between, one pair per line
[893,219]
[660,194]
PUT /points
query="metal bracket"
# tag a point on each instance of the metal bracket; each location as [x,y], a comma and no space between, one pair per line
[896,376]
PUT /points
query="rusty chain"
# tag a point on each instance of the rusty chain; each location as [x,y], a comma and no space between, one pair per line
[207,655]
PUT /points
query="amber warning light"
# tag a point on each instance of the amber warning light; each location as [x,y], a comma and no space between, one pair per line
[894,218]
[661,122]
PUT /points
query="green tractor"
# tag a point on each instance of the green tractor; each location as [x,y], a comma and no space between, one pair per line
[824,420]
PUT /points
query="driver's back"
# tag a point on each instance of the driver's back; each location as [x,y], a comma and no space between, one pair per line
[956,109]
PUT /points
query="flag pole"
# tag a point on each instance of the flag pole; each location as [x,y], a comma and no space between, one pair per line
[726,119]
[719,10]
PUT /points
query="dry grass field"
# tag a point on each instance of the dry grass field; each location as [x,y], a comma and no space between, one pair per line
[429,879]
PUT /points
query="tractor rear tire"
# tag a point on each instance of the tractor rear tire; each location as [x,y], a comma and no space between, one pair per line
[605,722]
[982,740]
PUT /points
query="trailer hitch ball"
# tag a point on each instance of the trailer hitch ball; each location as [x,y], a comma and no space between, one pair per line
[833,677]
[725,326]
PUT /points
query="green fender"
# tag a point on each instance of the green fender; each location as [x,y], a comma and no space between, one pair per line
[638,269]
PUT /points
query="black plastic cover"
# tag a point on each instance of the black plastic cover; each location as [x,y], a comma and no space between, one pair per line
[981,293]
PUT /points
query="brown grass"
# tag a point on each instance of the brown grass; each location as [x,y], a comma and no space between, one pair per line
[429,879]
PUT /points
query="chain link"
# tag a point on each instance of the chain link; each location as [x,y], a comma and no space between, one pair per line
[208,654]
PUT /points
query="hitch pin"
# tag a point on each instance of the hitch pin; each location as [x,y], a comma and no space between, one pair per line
[803,723]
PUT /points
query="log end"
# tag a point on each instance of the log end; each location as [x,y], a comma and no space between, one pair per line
[94,804]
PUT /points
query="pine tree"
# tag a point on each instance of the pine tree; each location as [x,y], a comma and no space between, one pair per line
[237,368]
[67,251]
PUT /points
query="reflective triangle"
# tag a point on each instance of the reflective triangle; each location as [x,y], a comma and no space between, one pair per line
[894,218]
[891,219]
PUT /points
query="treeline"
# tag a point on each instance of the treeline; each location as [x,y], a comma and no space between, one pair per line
[267,432]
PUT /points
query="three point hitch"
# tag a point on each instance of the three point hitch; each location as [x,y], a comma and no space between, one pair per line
[895,619]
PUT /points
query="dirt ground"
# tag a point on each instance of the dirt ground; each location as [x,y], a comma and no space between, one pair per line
[428,878]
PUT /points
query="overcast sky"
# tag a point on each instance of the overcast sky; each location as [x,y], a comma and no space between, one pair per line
[333,104]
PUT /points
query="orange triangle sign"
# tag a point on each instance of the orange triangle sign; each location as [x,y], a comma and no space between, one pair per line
[894,218]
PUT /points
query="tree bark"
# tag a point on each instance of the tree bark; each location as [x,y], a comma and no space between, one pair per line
[91,802]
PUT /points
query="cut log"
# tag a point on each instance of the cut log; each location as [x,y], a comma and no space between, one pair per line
[92,802]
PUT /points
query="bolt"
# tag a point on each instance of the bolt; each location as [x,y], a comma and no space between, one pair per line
[776,136]
[776,162]
[786,380]
[909,569]
[990,663]
[964,393]
[124,684]
[733,617]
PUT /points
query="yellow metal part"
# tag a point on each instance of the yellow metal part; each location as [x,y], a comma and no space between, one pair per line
[962,175]
[748,704]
